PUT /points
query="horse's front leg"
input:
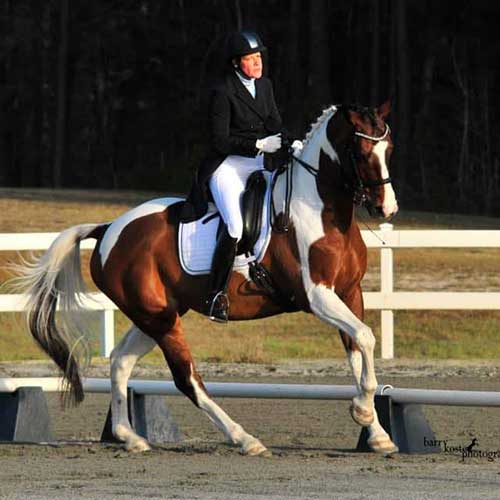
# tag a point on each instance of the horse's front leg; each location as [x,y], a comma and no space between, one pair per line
[327,306]
[378,439]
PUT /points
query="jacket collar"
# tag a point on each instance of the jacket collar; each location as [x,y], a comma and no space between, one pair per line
[239,90]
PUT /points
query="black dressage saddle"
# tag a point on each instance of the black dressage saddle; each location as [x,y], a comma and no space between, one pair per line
[252,204]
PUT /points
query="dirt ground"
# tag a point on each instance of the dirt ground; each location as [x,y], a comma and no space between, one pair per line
[313,443]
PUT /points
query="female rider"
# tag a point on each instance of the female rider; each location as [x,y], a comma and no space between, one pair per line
[245,126]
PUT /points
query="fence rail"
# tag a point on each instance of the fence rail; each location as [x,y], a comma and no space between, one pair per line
[385,300]
[269,391]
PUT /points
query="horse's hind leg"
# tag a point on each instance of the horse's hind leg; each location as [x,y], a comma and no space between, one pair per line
[188,381]
[125,355]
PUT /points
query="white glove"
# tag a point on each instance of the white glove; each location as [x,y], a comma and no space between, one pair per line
[297,147]
[269,144]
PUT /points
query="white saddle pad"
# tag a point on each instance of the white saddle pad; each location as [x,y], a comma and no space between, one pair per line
[197,240]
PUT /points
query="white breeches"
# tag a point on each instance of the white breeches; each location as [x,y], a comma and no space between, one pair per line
[227,185]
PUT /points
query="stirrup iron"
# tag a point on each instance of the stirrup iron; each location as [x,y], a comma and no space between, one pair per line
[218,312]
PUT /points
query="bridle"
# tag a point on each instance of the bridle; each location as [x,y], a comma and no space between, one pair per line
[357,185]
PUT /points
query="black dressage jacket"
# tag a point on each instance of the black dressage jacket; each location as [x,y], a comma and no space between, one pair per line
[237,120]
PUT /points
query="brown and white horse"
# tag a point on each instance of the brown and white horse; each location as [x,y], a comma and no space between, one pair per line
[318,263]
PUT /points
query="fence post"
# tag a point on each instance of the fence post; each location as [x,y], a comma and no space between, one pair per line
[107,332]
[386,286]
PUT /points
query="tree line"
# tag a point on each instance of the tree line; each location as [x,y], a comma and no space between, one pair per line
[111,94]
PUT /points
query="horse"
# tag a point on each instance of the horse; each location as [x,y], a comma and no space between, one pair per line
[317,265]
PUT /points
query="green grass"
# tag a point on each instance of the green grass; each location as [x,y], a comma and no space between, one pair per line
[418,334]
[448,334]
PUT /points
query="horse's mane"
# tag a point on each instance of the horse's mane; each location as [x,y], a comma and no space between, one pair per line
[325,115]
[366,114]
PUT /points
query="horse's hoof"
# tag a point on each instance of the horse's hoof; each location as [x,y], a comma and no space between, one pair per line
[256,449]
[361,415]
[137,446]
[383,445]
[266,453]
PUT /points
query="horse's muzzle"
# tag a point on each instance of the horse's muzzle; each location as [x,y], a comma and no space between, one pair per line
[383,212]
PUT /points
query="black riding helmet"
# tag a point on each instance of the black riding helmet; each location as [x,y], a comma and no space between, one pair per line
[243,43]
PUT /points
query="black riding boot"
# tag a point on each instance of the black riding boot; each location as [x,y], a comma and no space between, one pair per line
[217,304]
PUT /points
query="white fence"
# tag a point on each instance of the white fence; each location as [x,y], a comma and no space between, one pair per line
[386,300]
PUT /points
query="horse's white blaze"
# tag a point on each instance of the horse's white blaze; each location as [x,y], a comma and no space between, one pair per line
[118,225]
[390,205]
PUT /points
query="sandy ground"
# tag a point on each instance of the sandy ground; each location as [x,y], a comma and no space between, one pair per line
[313,443]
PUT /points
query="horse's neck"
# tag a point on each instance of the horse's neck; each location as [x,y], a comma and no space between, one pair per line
[306,205]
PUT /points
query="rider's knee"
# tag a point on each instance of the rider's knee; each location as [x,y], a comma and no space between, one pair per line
[235,229]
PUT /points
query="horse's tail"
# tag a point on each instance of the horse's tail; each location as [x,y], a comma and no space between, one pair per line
[51,280]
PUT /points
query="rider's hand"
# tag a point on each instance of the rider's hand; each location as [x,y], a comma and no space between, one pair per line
[297,147]
[269,144]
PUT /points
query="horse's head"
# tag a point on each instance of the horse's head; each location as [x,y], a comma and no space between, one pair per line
[363,141]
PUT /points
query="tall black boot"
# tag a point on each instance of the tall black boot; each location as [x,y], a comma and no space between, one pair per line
[217,304]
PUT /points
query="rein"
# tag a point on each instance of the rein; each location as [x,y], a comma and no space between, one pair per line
[359,196]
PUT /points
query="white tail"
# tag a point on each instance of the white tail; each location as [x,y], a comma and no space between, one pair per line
[55,279]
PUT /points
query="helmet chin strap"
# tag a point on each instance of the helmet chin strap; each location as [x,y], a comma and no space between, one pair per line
[243,75]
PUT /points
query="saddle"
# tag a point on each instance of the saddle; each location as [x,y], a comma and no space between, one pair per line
[252,205]
[197,239]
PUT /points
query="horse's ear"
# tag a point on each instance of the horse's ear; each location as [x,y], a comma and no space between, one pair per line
[384,109]
[353,117]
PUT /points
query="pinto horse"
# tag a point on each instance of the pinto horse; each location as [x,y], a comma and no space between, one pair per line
[317,264]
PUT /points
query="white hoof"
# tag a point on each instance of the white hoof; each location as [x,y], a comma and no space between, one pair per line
[362,416]
[122,433]
[382,444]
[138,445]
[255,448]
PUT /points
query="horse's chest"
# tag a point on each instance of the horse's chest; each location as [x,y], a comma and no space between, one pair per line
[337,262]
[352,269]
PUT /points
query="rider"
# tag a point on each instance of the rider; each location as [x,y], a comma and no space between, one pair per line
[245,127]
